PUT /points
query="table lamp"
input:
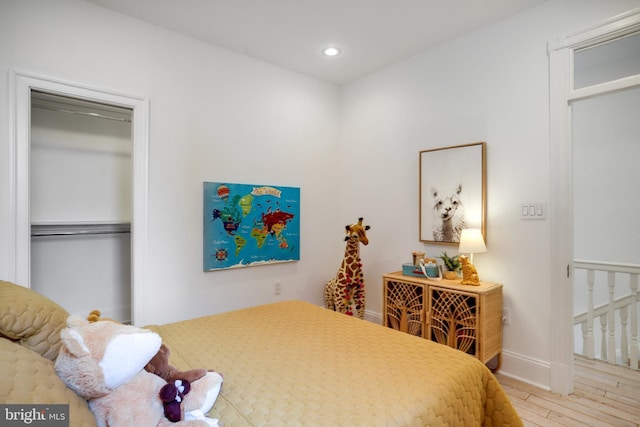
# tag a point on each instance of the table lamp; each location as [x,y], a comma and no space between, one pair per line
[471,241]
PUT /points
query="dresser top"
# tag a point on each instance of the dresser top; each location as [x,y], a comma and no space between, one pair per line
[449,284]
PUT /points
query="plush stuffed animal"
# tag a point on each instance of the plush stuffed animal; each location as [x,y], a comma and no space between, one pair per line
[96,316]
[103,363]
[159,364]
[172,395]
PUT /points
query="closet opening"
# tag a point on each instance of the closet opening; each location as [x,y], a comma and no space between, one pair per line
[81,198]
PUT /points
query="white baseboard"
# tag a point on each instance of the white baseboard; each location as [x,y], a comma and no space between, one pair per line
[526,369]
[373,317]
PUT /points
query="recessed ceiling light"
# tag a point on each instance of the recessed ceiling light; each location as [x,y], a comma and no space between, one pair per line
[331,51]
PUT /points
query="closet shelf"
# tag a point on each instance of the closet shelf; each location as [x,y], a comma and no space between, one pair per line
[74,229]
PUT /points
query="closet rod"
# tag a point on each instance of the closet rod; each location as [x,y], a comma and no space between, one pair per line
[82,113]
[75,233]
[38,230]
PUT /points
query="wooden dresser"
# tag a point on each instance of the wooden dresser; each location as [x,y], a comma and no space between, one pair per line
[468,318]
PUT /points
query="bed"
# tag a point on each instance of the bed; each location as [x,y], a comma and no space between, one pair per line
[291,363]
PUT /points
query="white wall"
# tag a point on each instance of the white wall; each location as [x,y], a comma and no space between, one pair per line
[215,116]
[81,168]
[490,86]
[606,150]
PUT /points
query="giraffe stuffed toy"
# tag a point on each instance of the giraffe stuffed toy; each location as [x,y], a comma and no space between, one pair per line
[345,292]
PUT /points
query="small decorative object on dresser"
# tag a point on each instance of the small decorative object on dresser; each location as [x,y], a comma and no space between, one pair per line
[469,272]
[451,266]
[431,269]
[417,256]
[471,241]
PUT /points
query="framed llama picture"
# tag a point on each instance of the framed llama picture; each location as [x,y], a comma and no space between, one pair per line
[452,186]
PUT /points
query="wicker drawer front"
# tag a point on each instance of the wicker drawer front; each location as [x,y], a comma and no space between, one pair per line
[454,319]
[405,307]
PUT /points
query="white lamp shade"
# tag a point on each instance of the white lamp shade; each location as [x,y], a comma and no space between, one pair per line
[471,241]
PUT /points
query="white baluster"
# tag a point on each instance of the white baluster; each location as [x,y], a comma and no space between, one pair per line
[611,339]
[589,342]
[585,350]
[633,349]
[603,338]
[624,343]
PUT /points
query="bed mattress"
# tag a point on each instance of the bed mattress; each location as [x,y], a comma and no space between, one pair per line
[296,364]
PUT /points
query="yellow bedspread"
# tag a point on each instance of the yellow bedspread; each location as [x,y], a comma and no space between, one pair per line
[296,364]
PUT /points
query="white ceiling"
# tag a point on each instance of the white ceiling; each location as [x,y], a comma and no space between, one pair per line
[290,33]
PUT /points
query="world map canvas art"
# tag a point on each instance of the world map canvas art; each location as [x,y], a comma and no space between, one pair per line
[247,225]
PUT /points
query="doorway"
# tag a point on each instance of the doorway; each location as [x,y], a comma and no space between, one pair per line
[23,85]
[606,198]
[563,95]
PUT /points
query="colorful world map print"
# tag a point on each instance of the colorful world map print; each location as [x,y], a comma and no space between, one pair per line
[247,225]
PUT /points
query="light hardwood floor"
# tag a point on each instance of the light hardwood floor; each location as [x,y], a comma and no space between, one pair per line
[603,395]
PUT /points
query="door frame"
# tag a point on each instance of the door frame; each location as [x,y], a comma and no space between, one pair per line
[561,51]
[19,227]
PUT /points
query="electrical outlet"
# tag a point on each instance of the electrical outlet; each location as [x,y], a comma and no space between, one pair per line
[277,288]
[506,316]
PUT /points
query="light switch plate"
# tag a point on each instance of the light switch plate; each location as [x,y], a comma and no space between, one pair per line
[533,210]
